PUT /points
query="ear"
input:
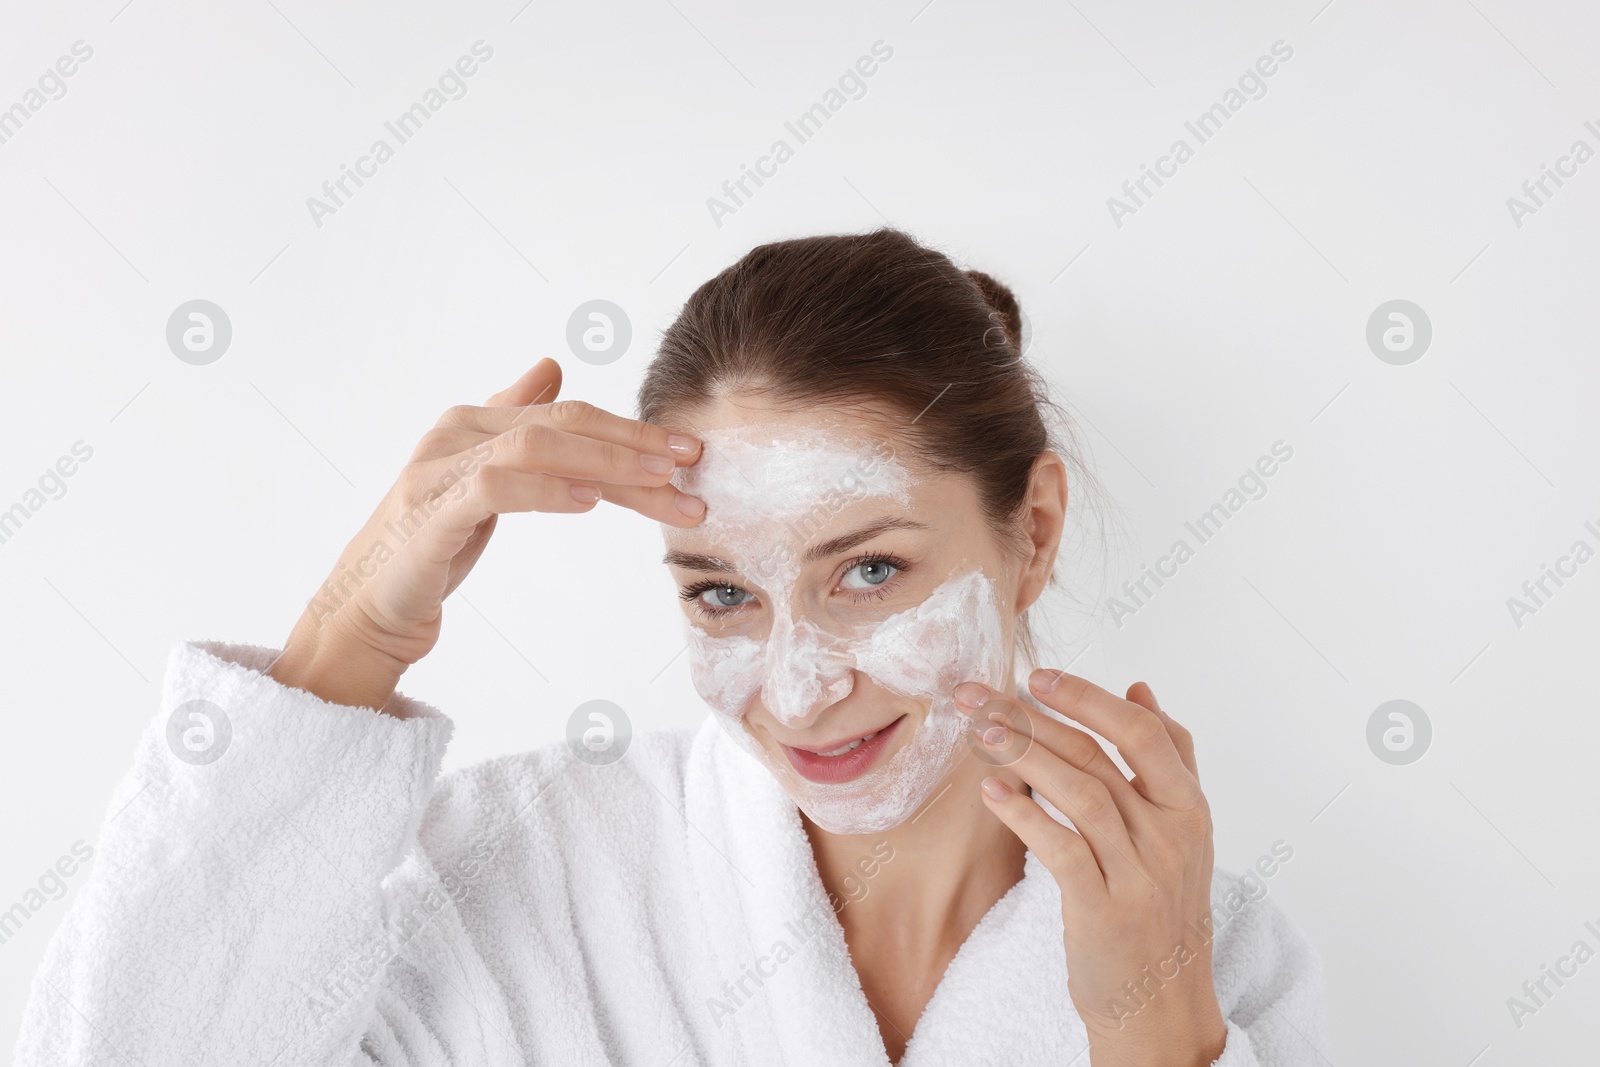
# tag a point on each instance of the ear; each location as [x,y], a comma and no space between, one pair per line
[1043,519]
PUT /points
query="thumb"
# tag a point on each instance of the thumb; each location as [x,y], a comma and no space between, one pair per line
[539,385]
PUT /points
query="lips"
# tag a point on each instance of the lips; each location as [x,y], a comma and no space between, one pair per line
[844,760]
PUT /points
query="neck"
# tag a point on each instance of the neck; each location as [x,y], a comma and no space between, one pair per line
[919,888]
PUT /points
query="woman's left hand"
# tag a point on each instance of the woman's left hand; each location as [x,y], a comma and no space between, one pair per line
[1136,875]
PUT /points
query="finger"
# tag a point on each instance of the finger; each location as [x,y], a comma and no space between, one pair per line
[1075,746]
[492,490]
[446,441]
[1077,794]
[538,385]
[662,503]
[1064,853]
[580,418]
[1138,733]
[538,447]
[1182,739]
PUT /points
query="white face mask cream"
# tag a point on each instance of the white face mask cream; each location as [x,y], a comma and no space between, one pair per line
[765,501]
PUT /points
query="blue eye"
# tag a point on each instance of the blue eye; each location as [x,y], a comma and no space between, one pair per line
[724,596]
[870,573]
[719,598]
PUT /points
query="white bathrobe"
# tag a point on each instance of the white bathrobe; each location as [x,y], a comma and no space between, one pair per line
[320,895]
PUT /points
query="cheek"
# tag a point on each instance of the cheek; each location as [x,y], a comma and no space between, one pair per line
[726,671]
[955,635]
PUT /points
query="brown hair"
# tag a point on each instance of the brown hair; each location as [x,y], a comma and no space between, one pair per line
[876,320]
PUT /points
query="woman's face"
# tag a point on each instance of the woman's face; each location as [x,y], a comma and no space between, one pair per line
[836,592]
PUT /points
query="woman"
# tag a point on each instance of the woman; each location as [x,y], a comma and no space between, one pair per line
[879,847]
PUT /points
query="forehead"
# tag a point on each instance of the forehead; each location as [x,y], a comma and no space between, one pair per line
[789,475]
[773,472]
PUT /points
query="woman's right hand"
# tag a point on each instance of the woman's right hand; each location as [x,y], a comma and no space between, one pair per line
[380,611]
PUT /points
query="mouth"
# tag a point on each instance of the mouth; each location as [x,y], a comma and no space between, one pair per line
[845,760]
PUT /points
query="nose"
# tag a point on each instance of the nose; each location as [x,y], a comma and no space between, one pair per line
[808,671]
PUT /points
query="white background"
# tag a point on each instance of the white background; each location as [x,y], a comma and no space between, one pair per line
[1228,313]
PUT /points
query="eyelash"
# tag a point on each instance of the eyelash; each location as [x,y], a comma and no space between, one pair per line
[692,593]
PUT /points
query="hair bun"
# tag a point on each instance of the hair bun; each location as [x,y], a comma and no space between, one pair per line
[1002,303]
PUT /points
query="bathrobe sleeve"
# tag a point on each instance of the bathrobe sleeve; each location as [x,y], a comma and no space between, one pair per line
[250,883]
[1268,980]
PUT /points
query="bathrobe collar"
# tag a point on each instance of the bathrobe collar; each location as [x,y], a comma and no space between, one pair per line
[788,993]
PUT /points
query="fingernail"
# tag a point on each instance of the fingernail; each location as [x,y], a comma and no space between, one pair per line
[683,446]
[585,494]
[995,735]
[996,789]
[971,694]
[656,464]
[691,506]
[1043,681]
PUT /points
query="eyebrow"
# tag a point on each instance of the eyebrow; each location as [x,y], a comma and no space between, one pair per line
[693,561]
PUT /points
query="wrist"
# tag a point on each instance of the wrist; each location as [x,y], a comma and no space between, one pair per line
[339,667]
[1195,1040]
